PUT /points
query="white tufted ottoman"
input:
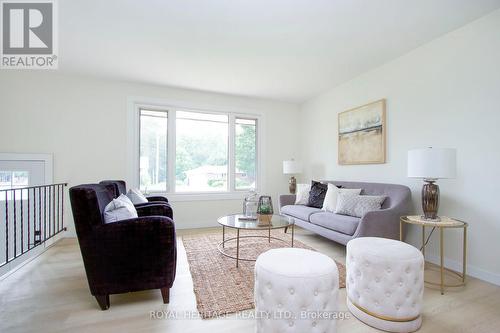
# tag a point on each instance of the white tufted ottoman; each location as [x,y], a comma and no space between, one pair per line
[385,281]
[298,289]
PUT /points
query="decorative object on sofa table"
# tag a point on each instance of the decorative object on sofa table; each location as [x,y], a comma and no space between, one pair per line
[292,167]
[431,164]
[361,133]
[265,209]
[250,204]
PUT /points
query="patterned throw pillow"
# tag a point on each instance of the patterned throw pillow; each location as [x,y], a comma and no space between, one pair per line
[317,194]
[302,194]
[358,205]
[330,202]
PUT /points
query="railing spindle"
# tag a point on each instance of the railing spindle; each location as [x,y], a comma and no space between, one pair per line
[6,227]
[22,223]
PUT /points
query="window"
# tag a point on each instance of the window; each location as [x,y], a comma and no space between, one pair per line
[201,152]
[245,153]
[193,152]
[13,179]
[153,151]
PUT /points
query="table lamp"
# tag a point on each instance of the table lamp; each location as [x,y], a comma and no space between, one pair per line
[292,167]
[431,164]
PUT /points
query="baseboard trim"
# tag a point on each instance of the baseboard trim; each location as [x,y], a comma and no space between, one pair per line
[471,269]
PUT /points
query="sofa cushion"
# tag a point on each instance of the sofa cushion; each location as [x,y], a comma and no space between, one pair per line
[341,223]
[299,211]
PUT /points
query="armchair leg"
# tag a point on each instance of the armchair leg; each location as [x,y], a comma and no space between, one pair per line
[286,229]
[103,301]
[165,293]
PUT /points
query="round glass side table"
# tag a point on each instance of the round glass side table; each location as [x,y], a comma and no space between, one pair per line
[444,223]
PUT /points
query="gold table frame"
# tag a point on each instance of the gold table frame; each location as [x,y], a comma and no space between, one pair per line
[255,226]
[446,223]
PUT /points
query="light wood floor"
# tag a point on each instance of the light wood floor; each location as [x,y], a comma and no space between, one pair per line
[50,294]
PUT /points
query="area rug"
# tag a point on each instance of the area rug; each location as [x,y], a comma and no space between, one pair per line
[220,287]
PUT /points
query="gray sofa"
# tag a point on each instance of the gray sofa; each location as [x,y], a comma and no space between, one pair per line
[342,228]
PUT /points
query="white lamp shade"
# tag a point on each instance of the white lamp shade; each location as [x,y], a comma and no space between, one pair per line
[432,163]
[292,167]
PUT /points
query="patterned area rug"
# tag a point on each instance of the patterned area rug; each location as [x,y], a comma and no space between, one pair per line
[219,286]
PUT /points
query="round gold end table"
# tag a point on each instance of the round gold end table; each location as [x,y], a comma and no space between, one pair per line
[444,223]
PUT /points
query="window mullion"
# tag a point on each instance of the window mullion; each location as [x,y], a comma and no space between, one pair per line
[231,153]
[171,151]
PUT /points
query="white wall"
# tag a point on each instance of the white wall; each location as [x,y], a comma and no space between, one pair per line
[83,122]
[444,94]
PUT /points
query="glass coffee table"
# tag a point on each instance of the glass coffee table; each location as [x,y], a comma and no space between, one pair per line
[239,222]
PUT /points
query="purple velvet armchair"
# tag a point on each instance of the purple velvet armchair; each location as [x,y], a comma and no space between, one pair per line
[124,256]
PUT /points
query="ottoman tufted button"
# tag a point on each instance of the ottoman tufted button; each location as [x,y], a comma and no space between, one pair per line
[269,286]
[292,291]
[397,307]
[400,283]
[290,323]
[407,270]
[377,279]
[315,293]
[388,269]
[388,294]
[376,303]
[313,324]
[280,305]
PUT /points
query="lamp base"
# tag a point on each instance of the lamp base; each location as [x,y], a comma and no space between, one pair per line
[430,200]
[292,185]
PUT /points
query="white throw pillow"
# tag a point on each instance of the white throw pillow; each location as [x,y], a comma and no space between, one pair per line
[330,203]
[136,196]
[302,194]
[358,205]
[119,209]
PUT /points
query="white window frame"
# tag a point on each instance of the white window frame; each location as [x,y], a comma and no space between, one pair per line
[135,104]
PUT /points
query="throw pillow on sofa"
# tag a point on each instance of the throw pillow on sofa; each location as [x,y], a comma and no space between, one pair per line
[358,205]
[302,194]
[330,202]
[317,194]
[136,196]
[119,209]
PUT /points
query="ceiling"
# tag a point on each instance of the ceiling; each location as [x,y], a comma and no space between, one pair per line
[288,50]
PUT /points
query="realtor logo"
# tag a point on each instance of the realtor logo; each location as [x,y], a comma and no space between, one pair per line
[28,34]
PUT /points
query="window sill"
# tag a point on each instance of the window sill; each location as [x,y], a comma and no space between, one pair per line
[181,197]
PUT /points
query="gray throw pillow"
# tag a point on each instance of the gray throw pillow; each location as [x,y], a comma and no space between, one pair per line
[358,205]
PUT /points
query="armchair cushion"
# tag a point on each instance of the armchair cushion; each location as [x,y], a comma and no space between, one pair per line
[136,196]
[118,209]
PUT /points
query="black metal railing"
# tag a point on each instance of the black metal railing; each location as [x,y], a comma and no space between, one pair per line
[29,216]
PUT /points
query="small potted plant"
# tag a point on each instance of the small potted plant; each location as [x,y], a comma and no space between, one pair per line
[265,210]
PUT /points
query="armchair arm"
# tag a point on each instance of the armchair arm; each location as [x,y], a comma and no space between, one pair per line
[154,209]
[155,198]
[287,199]
[379,223]
[135,253]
